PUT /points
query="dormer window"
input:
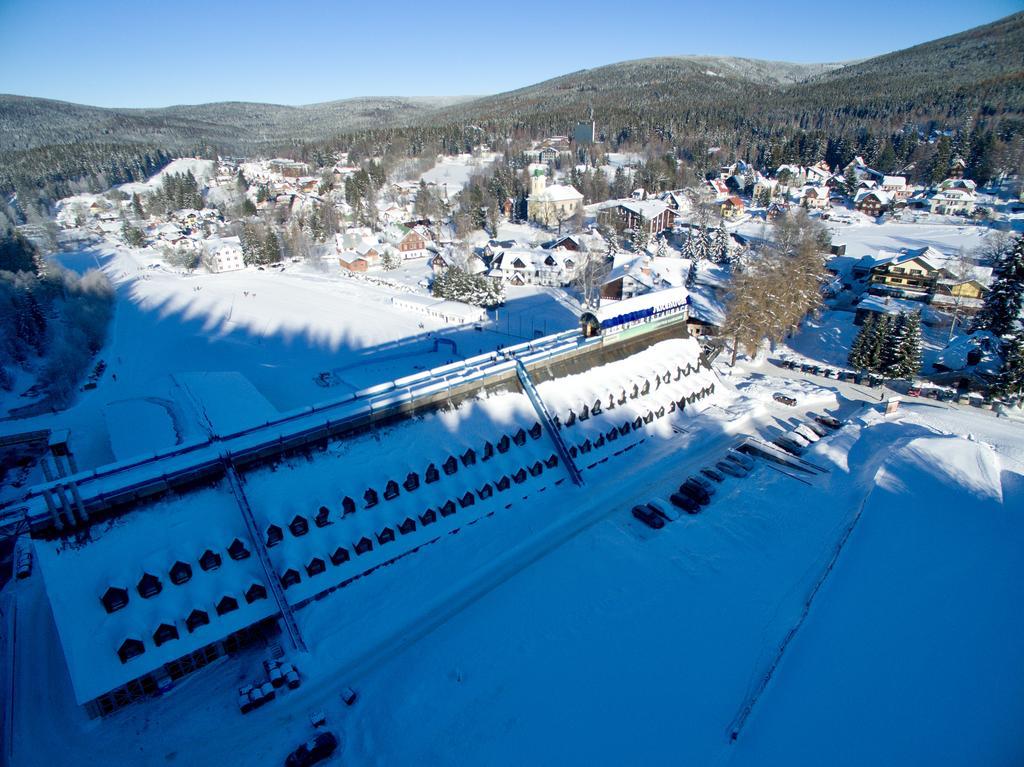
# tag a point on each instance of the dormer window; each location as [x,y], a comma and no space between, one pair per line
[316,566]
[469,457]
[254,592]
[432,474]
[290,577]
[364,546]
[130,648]
[407,526]
[149,586]
[370,496]
[181,573]
[274,535]
[210,560]
[298,526]
[428,517]
[322,518]
[488,451]
[114,599]
[387,535]
[412,481]
[165,633]
[450,465]
[448,508]
[391,490]
[237,550]
[348,506]
[537,468]
[339,556]
[226,605]
[535,430]
[467,499]
[195,619]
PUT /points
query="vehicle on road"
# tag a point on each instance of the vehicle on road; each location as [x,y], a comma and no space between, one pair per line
[785,399]
[313,751]
[650,518]
[685,502]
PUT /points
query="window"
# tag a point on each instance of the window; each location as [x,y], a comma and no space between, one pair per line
[254,592]
[226,605]
[114,599]
[210,560]
[149,586]
[181,572]
[237,550]
[195,619]
[274,535]
[130,648]
[165,633]
[298,526]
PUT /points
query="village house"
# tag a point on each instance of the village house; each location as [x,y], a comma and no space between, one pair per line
[288,168]
[956,196]
[732,207]
[964,294]
[410,243]
[872,202]
[815,198]
[630,277]
[223,254]
[896,187]
[878,305]
[622,215]
[534,267]
[911,273]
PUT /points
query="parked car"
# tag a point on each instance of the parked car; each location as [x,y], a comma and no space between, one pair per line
[696,492]
[708,486]
[685,502]
[732,468]
[914,391]
[787,444]
[313,751]
[663,510]
[650,518]
[24,564]
[785,399]
[807,433]
[817,428]
[714,474]
[742,459]
[944,395]
[829,421]
[828,373]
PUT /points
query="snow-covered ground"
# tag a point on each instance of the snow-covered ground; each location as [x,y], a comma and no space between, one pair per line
[201,169]
[561,630]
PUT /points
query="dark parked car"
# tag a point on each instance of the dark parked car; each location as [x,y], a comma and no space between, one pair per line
[829,421]
[742,459]
[649,517]
[685,502]
[714,474]
[708,486]
[732,468]
[695,491]
[788,444]
[312,751]
[785,399]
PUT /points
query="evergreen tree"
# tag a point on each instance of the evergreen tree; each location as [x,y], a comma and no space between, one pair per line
[941,161]
[859,356]
[719,248]
[1010,382]
[850,181]
[661,250]
[137,208]
[878,343]
[390,260]
[132,235]
[640,234]
[691,275]
[901,354]
[1003,302]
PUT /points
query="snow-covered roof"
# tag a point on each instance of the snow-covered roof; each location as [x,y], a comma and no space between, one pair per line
[928,255]
[889,305]
[558,193]
[118,554]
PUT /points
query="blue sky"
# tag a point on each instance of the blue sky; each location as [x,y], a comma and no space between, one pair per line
[156,53]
